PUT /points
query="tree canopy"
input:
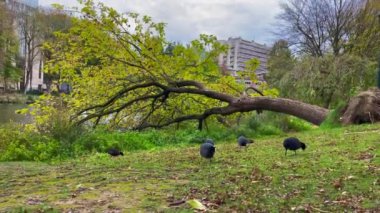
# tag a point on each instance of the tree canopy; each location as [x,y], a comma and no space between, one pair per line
[117,66]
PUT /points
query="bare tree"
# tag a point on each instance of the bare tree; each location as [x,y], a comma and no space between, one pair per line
[341,15]
[31,42]
[317,27]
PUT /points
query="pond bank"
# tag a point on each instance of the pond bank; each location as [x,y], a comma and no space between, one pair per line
[16,98]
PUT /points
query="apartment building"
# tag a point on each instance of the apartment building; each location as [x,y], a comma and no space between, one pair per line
[239,52]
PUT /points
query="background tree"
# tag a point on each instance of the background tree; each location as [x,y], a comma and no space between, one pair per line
[36,27]
[325,81]
[8,48]
[365,37]
[318,27]
[329,80]
[335,50]
[30,33]
[53,20]
[280,63]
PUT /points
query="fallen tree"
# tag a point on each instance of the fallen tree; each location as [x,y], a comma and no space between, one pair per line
[364,108]
[124,74]
[313,114]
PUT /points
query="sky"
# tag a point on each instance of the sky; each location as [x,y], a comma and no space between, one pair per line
[186,19]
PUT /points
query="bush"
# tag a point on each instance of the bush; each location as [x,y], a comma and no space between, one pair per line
[333,118]
[19,145]
[271,123]
[51,135]
[101,140]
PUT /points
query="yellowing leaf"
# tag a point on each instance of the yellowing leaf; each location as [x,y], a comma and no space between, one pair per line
[196,204]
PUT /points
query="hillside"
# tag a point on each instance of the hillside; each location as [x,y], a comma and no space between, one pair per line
[339,170]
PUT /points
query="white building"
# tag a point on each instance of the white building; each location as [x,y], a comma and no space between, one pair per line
[239,52]
[30,3]
[20,5]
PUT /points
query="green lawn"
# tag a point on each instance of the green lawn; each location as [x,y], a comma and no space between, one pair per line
[339,170]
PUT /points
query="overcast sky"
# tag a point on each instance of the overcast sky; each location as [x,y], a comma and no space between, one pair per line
[186,19]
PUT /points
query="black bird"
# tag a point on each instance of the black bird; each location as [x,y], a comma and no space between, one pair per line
[209,141]
[207,149]
[115,152]
[243,141]
[293,144]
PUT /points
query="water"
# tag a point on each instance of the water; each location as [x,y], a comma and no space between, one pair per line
[7,113]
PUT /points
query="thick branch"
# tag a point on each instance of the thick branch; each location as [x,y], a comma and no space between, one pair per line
[207,93]
[254,89]
[189,83]
[199,117]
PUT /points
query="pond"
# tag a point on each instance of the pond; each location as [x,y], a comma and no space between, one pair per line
[7,113]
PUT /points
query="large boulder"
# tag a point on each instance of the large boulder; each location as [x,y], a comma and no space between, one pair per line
[363,108]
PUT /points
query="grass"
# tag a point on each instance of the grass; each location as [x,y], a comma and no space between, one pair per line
[339,171]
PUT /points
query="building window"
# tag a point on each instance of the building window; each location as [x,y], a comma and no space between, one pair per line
[40,70]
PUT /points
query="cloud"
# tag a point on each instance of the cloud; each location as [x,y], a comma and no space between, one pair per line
[186,19]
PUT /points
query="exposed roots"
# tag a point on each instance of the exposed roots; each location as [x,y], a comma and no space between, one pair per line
[363,108]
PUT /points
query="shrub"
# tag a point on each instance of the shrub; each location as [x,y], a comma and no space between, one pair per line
[100,140]
[18,144]
[333,118]
[271,123]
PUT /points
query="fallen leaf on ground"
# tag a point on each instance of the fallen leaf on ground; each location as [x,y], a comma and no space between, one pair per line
[196,204]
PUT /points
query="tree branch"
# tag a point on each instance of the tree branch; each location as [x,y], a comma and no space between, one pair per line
[255,89]
[119,95]
[118,109]
[199,117]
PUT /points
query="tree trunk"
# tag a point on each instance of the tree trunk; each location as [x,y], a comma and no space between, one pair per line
[26,81]
[311,113]
[5,84]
